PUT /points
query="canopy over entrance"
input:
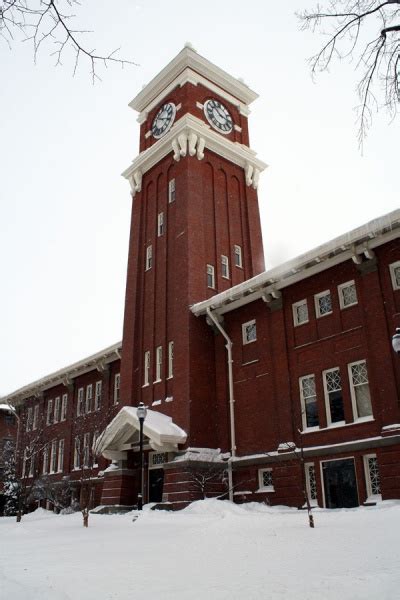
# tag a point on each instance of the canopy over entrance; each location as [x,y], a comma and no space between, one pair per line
[122,434]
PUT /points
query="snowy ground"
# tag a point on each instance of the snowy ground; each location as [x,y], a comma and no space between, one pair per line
[211,550]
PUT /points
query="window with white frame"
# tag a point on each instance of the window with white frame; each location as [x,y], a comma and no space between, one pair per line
[79,405]
[45,468]
[311,483]
[117,388]
[170,360]
[160,224]
[53,456]
[24,462]
[158,363]
[300,312]
[249,332]
[347,294]
[333,396]
[372,478]
[225,267]
[265,481]
[32,462]
[86,449]
[57,409]
[89,396]
[95,456]
[359,389]
[395,274]
[171,191]
[210,277]
[237,250]
[309,408]
[35,417]
[323,304]
[64,406]
[60,464]
[29,418]
[77,453]
[149,257]
[49,412]
[146,373]
[97,395]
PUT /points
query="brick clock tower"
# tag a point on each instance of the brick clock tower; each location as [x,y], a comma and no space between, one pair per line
[195,231]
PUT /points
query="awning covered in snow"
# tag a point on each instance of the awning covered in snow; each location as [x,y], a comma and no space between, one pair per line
[123,433]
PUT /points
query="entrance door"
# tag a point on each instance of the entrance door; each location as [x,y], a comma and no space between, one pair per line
[156,480]
[340,483]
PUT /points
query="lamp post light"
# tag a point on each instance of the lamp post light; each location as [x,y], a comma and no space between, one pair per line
[396,341]
[141,412]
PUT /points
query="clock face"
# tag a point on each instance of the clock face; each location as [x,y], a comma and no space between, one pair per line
[218,116]
[163,120]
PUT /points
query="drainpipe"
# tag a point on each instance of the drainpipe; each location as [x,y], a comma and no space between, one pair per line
[228,347]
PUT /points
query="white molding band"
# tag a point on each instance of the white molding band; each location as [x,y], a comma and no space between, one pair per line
[190,135]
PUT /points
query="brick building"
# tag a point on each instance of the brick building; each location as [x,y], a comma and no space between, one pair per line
[275,377]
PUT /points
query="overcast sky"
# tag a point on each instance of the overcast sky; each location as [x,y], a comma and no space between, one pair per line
[65,209]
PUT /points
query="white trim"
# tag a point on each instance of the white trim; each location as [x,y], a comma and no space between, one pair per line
[210,273]
[97,394]
[307,466]
[60,461]
[370,496]
[80,407]
[149,257]
[303,403]
[88,398]
[35,417]
[146,370]
[160,224]
[317,306]
[29,418]
[392,267]
[237,252]
[261,486]
[53,457]
[356,416]
[342,287]
[171,191]
[245,326]
[158,364]
[170,360]
[57,408]
[295,306]
[326,395]
[224,265]
[64,407]
[117,388]
[49,411]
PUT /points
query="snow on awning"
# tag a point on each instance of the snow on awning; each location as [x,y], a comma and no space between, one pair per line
[123,432]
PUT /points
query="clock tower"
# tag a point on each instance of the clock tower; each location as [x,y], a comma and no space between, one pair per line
[195,232]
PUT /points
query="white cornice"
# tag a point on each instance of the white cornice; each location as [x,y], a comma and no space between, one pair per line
[189,59]
[191,135]
[66,375]
[357,242]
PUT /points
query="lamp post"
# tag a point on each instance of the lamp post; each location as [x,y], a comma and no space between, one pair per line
[396,341]
[141,412]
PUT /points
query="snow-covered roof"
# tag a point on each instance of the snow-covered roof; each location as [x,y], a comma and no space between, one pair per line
[122,433]
[351,245]
[65,375]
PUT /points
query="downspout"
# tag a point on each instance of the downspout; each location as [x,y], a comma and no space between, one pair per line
[228,347]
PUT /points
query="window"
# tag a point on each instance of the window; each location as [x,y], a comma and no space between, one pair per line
[160,224]
[79,406]
[77,453]
[146,367]
[149,257]
[249,332]
[117,386]
[372,478]
[170,360]
[225,266]
[157,459]
[24,462]
[311,483]
[57,409]
[35,417]
[32,465]
[359,389]
[95,438]
[395,274]
[265,482]
[53,456]
[64,405]
[237,250]
[347,294]
[60,464]
[333,396]
[323,304]
[210,277]
[89,396]
[86,449]
[300,312]
[29,418]
[309,408]
[171,191]
[97,396]
[158,363]
[45,460]
[49,412]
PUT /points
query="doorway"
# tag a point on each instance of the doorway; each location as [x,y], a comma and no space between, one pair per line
[340,483]
[156,481]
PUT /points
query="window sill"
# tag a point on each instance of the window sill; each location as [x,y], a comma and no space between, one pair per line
[264,490]
[251,362]
[170,377]
[157,381]
[338,425]
[145,385]
[325,315]
[348,306]
[300,324]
